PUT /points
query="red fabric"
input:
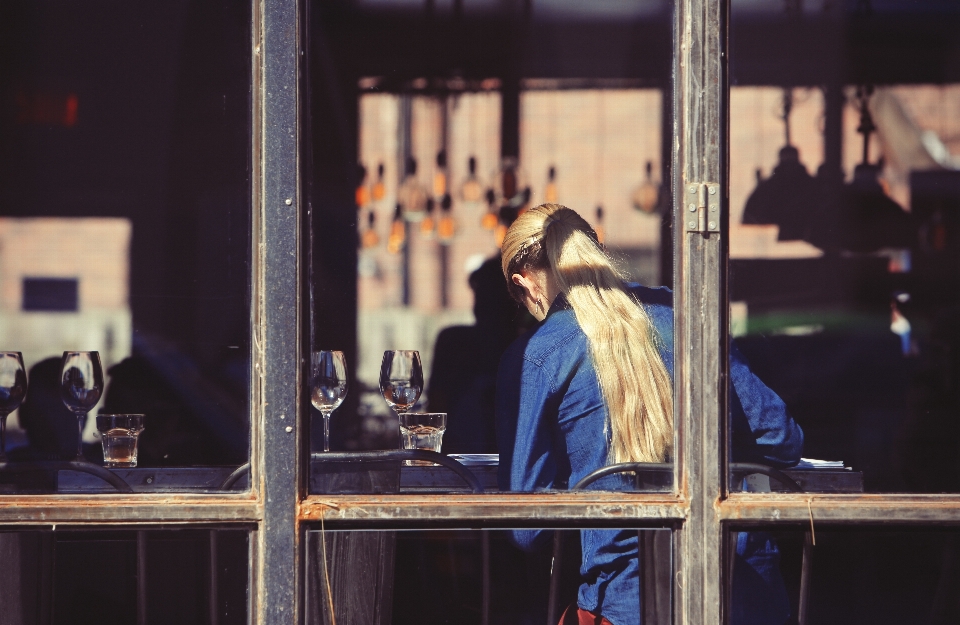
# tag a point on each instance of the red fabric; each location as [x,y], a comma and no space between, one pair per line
[575,615]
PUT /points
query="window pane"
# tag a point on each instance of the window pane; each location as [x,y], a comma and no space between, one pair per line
[125,229]
[852,575]
[423,156]
[843,240]
[188,576]
[484,576]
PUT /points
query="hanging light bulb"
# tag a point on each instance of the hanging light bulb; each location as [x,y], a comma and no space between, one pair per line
[440,176]
[379,190]
[427,225]
[447,227]
[490,218]
[472,190]
[370,238]
[646,197]
[411,194]
[550,193]
[398,232]
[509,180]
[362,195]
[601,234]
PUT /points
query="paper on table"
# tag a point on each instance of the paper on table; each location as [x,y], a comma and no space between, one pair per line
[476,459]
[811,463]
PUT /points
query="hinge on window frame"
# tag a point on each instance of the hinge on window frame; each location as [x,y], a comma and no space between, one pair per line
[701,207]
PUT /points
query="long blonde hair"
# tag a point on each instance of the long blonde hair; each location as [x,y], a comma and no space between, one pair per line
[623,343]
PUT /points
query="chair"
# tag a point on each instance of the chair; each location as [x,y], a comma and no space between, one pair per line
[650,471]
[648,475]
[743,469]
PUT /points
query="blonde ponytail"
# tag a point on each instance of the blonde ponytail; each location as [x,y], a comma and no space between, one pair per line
[623,344]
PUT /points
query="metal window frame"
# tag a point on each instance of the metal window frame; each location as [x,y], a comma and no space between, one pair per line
[698,511]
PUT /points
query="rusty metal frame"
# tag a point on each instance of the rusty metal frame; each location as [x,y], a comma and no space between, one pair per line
[100,509]
[496,510]
[835,509]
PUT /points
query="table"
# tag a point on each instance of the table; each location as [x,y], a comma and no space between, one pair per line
[809,480]
[412,479]
[148,480]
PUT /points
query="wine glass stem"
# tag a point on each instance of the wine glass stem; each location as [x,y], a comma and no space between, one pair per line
[326,431]
[3,437]
[399,429]
[80,420]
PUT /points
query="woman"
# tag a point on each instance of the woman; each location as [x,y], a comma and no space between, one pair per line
[591,385]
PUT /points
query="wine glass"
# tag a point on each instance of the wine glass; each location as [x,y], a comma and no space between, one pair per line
[328,386]
[401,379]
[13,388]
[81,383]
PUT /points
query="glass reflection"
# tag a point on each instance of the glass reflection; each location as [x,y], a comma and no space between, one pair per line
[843,198]
[125,224]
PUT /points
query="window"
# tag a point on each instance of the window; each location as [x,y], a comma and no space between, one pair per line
[126,230]
[184,184]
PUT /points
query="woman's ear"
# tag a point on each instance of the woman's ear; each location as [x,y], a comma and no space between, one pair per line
[523,282]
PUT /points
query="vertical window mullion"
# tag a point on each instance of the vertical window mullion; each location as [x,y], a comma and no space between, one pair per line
[276,570]
[700,338]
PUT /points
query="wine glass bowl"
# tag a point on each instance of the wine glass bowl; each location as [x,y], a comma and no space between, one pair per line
[328,386]
[81,384]
[401,379]
[13,389]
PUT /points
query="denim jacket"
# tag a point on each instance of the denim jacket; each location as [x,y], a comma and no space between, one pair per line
[552,430]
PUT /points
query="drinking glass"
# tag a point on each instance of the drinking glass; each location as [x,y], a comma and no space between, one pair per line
[328,384]
[401,379]
[422,430]
[119,434]
[81,383]
[13,388]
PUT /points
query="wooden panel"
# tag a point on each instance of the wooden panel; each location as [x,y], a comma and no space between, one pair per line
[352,573]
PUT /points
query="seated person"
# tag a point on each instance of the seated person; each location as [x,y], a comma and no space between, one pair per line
[465,360]
[591,385]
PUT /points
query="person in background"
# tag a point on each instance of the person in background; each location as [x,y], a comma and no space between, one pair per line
[50,426]
[591,385]
[465,359]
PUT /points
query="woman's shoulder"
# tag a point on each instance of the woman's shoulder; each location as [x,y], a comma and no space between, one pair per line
[658,302]
[651,296]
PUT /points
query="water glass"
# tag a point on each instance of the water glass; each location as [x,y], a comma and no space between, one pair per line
[422,430]
[120,434]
